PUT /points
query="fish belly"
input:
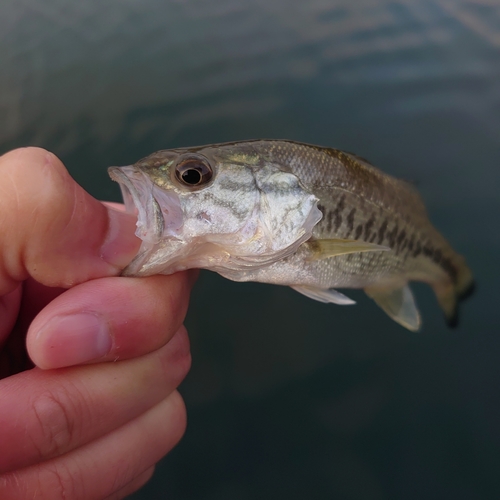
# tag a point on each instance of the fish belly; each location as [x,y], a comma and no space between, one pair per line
[356,270]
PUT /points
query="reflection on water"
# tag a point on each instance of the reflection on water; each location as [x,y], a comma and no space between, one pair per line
[289,398]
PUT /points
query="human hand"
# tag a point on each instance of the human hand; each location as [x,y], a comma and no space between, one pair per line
[78,425]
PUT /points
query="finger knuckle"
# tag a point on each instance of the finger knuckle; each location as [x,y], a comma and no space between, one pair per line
[55,428]
[58,481]
[48,481]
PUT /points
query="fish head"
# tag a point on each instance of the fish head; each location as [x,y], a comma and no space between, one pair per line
[227,208]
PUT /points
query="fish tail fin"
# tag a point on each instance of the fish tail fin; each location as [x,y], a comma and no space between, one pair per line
[465,281]
[450,294]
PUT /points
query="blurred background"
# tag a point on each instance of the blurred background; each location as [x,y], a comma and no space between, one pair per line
[289,398]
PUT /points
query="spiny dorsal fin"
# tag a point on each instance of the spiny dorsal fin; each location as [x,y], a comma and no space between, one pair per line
[324,249]
[398,303]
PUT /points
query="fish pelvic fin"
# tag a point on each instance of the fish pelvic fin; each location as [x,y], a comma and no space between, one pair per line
[397,303]
[324,249]
[328,295]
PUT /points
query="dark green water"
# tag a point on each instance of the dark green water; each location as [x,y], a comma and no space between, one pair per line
[289,398]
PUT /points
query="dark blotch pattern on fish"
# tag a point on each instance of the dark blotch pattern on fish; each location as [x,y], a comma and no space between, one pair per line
[401,241]
[418,249]
[450,268]
[434,254]
[350,222]
[381,232]
[368,227]
[333,217]
[336,213]
[401,237]
[397,239]
[411,243]
[391,236]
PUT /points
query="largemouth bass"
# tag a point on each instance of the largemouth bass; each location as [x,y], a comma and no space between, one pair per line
[294,214]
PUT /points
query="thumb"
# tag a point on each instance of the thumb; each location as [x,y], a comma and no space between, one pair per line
[52,230]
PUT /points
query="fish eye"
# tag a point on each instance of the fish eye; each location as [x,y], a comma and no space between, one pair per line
[193,172]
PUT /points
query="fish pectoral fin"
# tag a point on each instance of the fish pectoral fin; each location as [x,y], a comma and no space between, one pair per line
[328,295]
[398,303]
[324,249]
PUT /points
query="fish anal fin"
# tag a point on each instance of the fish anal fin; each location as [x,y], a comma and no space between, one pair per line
[328,295]
[324,249]
[397,303]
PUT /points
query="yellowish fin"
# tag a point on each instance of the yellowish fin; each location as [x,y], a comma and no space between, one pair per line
[324,249]
[398,303]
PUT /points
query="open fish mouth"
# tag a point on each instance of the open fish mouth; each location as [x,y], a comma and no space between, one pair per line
[159,213]
[124,176]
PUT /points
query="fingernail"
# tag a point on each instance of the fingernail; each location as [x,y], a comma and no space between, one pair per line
[121,244]
[72,340]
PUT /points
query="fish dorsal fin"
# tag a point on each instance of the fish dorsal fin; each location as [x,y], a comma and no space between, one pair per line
[398,303]
[324,295]
[324,249]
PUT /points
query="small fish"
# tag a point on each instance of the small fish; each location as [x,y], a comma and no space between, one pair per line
[294,214]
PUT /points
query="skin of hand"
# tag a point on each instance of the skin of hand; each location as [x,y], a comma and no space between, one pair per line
[94,406]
